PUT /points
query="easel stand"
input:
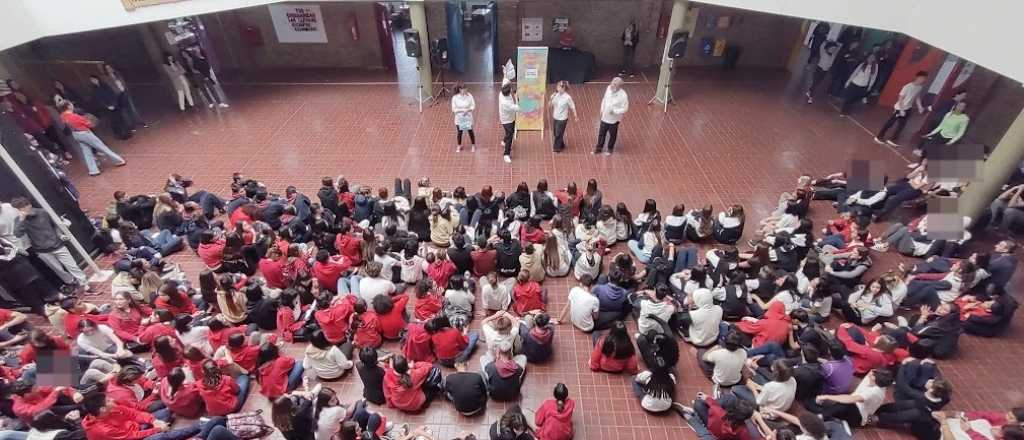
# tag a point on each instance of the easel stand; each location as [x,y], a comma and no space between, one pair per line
[421,95]
[668,88]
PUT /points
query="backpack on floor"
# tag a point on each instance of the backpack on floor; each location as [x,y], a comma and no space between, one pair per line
[249,425]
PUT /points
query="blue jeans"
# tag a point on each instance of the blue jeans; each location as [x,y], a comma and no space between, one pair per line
[686,257]
[349,285]
[88,142]
[13,435]
[367,420]
[203,431]
[835,240]
[466,353]
[165,241]
[295,377]
[243,382]
[771,351]
[638,252]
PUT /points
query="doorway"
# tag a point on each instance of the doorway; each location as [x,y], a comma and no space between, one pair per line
[478,27]
[392,21]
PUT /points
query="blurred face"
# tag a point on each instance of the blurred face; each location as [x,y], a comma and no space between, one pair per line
[89,331]
[960,106]
[1002,246]
[120,302]
[560,87]
[616,84]
[920,80]
[94,80]
[943,310]
[14,84]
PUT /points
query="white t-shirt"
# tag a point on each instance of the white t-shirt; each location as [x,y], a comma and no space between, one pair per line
[614,105]
[777,395]
[908,95]
[507,109]
[648,308]
[872,396]
[198,336]
[582,306]
[728,365]
[653,403]
[388,265]
[369,288]
[101,340]
[329,420]
[561,103]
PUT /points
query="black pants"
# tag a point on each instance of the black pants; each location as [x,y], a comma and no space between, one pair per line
[46,143]
[559,129]
[816,78]
[510,131]
[842,411]
[894,119]
[929,141]
[612,130]
[851,94]
[458,137]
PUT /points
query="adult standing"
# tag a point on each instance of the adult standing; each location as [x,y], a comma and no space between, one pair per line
[508,108]
[81,130]
[116,81]
[463,105]
[32,109]
[910,96]
[47,242]
[859,84]
[614,106]
[201,73]
[949,131]
[31,127]
[937,111]
[823,63]
[176,73]
[849,57]
[630,37]
[106,102]
[561,102]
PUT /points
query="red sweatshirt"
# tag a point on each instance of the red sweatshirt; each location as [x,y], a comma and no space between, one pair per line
[28,352]
[772,327]
[391,324]
[349,246]
[245,356]
[186,402]
[212,254]
[553,424]
[163,368]
[119,423]
[448,343]
[71,321]
[865,358]
[36,401]
[128,326]
[219,338]
[273,272]
[408,399]
[221,399]
[427,307]
[440,271]
[721,428]
[125,394]
[528,235]
[527,296]
[188,308]
[600,362]
[274,376]
[484,261]
[417,345]
[334,320]
[327,274]
[286,325]
[368,334]
[153,331]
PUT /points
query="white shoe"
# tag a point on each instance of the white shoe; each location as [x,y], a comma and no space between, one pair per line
[607,153]
[472,148]
[878,141]
[810,100]
[891,143]
[913,165]
[210,105]
[508,158]
[918,153]
[458,148]
[223,105]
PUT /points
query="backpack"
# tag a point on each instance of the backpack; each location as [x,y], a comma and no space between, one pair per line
[249,425]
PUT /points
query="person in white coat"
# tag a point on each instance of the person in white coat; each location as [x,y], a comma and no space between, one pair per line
[508,107]
[463,106]
[614,106]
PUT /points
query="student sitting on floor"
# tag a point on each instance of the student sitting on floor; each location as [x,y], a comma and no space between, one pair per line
[614,352]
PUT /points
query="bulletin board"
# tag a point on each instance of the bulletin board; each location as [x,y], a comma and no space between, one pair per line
[531,87]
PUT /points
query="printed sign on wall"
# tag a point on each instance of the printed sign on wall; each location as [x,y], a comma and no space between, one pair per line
[533,29]
[298,23]
[531,85]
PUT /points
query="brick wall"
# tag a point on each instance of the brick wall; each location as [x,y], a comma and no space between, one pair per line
[339,51]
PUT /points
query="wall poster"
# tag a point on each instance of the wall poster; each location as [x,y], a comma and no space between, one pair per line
[297,23]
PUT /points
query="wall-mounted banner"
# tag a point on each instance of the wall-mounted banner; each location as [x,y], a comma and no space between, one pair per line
[298,23]
[531,86]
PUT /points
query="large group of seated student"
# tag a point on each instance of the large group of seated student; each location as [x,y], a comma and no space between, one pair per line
[796,341]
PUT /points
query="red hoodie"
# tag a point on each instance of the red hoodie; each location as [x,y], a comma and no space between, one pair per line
[334,320]
[720,427]
[188,308]
[368,334]
[36,401]
[212,254]
[163,368]
[391,324]
[186,402]
[274,376]
[125,394]
[273,272]
[417,345]
[484,261]
[28,352]
[245,356]
[600,362]
[772,327]
[448,343]
[128,327]
[440,271]
[219,338]
[552,424]
[327,274]
[349,246]
[72,319]
[408,399]
[865,358]
[427,307]
[153,331]
[531,235]
[222,399]
[286,325]
[526,297]
[119,423]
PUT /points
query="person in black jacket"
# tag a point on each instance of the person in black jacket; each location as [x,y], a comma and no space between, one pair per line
[19,277]
[508,254]
[467,390]
[329,197]
[47,242]
[292,414]
[104,100]
[372,375]
[483,209]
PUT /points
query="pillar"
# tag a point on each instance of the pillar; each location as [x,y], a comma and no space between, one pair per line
[418,19]
[675,23]
[997,169]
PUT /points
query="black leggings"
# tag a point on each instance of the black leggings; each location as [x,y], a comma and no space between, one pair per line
[458,136]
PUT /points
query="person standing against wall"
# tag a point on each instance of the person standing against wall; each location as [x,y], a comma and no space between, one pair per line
[910,95]
[614,106]
[859,84]
[630,37]
[508,107]
[561,103]
[463,105]
[181,85]
[201,75]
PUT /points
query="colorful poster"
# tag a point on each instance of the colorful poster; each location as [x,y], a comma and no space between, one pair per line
[531,87]
[298,23]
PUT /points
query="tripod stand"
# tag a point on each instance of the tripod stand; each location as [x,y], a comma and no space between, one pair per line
[445,91]
[419,90]
[668,88]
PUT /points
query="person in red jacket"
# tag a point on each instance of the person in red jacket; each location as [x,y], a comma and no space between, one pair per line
[527,295]
[163,326]
[277,374]
[211,249]
[417,346]
[30,401]
[240,352]
[287,316]
[349,245]
[327,269]
[105,419]
[126,387]
[531,232]
[272,266]
[403,384]
[428,303]
[774,326]
[614,352]
[869,350]
[182,399]
[367,326]
[392,315]
[334,316]
[710,416]
[440,269]
[128,317]
[41,342]
[450,344]
[554,417]
[166,356]
[484,256]
[222,394]
[220,332]
[171,298]
[77,311]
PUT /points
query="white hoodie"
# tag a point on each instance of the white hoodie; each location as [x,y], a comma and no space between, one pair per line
[614,105]
[704,319]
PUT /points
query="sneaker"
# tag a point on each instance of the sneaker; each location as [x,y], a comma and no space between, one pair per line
[864,100]
[842,115]
[508,158]
[458,148]
[891,143]
[913,165]
[810,100]
[607,153]
[223,105]
[918,153]
[121,163]
[683,409]
[210,105]
[880,247]
[472,148]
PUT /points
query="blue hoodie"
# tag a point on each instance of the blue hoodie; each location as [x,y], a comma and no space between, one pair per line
[612,298]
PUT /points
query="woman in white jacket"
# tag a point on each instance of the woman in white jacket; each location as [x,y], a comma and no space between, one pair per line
[868,303]
[176,72]
[326,361]
[557,259]
[463,106]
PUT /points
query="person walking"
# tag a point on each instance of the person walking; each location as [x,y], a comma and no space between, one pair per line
[47,242]
[508,107]
[826,58]
[81,130]
[463,105]
[182,87]
[630,36]
[910,96]
[561,102]
[614,106]
[859,84]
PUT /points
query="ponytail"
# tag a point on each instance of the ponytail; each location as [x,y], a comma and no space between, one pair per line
[561,394]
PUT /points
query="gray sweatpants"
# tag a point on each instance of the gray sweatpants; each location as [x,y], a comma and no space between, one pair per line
[64,265]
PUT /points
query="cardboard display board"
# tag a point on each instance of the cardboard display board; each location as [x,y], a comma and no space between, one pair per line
[531,87]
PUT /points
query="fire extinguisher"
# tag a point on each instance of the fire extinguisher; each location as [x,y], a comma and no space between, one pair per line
[354,26]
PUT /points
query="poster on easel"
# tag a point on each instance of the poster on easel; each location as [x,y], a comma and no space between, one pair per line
[531,86]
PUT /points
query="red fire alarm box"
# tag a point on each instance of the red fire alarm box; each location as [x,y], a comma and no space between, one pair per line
[251,35]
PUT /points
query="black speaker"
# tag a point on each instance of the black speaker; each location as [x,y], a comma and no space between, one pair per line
[412,43]
[678,47]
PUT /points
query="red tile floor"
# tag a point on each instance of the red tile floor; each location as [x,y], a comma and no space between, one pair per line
[738,137]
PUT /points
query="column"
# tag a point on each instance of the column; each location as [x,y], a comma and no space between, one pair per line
[1005,158]
[675,23]
[418,19]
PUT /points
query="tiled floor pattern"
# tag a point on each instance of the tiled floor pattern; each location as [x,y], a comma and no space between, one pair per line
[729,138]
